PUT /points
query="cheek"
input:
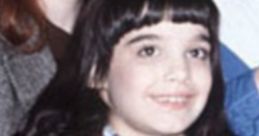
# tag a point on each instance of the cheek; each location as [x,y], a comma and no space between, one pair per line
[202,77]
[202,82]
[124,77]
[129,80]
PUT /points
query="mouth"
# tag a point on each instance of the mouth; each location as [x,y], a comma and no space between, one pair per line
[172,101]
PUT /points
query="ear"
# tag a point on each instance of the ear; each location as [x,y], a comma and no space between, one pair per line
[104,92]
[99,84]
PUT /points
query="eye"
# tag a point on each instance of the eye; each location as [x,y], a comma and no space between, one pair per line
[199,53]
[148,51]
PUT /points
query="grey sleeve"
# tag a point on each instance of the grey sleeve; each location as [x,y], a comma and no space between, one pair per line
[7,103]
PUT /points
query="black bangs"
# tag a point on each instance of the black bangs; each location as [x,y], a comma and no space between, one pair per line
[121,16]
[195,11]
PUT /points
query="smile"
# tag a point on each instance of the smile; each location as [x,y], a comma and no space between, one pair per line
[172,102]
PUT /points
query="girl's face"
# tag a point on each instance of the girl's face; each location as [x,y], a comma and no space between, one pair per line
[159,79]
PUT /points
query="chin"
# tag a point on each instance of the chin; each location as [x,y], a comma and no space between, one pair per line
[164,129]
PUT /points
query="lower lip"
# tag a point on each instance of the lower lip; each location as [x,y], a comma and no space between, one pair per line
[174,106]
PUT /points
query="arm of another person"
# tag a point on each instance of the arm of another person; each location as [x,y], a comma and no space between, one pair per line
[242,101]
[232,65]
[242,96]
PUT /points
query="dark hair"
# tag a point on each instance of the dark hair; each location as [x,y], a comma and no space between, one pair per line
[101,24]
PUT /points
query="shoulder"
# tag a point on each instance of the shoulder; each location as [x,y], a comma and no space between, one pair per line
[25,74]
[13,57]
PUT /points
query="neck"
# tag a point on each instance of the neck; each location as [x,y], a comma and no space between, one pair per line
[61,13]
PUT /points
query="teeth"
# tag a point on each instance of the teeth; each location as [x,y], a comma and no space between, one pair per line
[171,99]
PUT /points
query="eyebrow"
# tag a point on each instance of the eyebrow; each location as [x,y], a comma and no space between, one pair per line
[203,37]
[142,37]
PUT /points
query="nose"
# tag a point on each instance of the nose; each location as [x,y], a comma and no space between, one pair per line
[177,70]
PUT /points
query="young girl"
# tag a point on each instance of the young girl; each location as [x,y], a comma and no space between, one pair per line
[139,68]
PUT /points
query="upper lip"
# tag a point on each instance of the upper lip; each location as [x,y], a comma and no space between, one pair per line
[173,94]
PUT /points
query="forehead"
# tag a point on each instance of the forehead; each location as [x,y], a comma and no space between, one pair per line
[168,30]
